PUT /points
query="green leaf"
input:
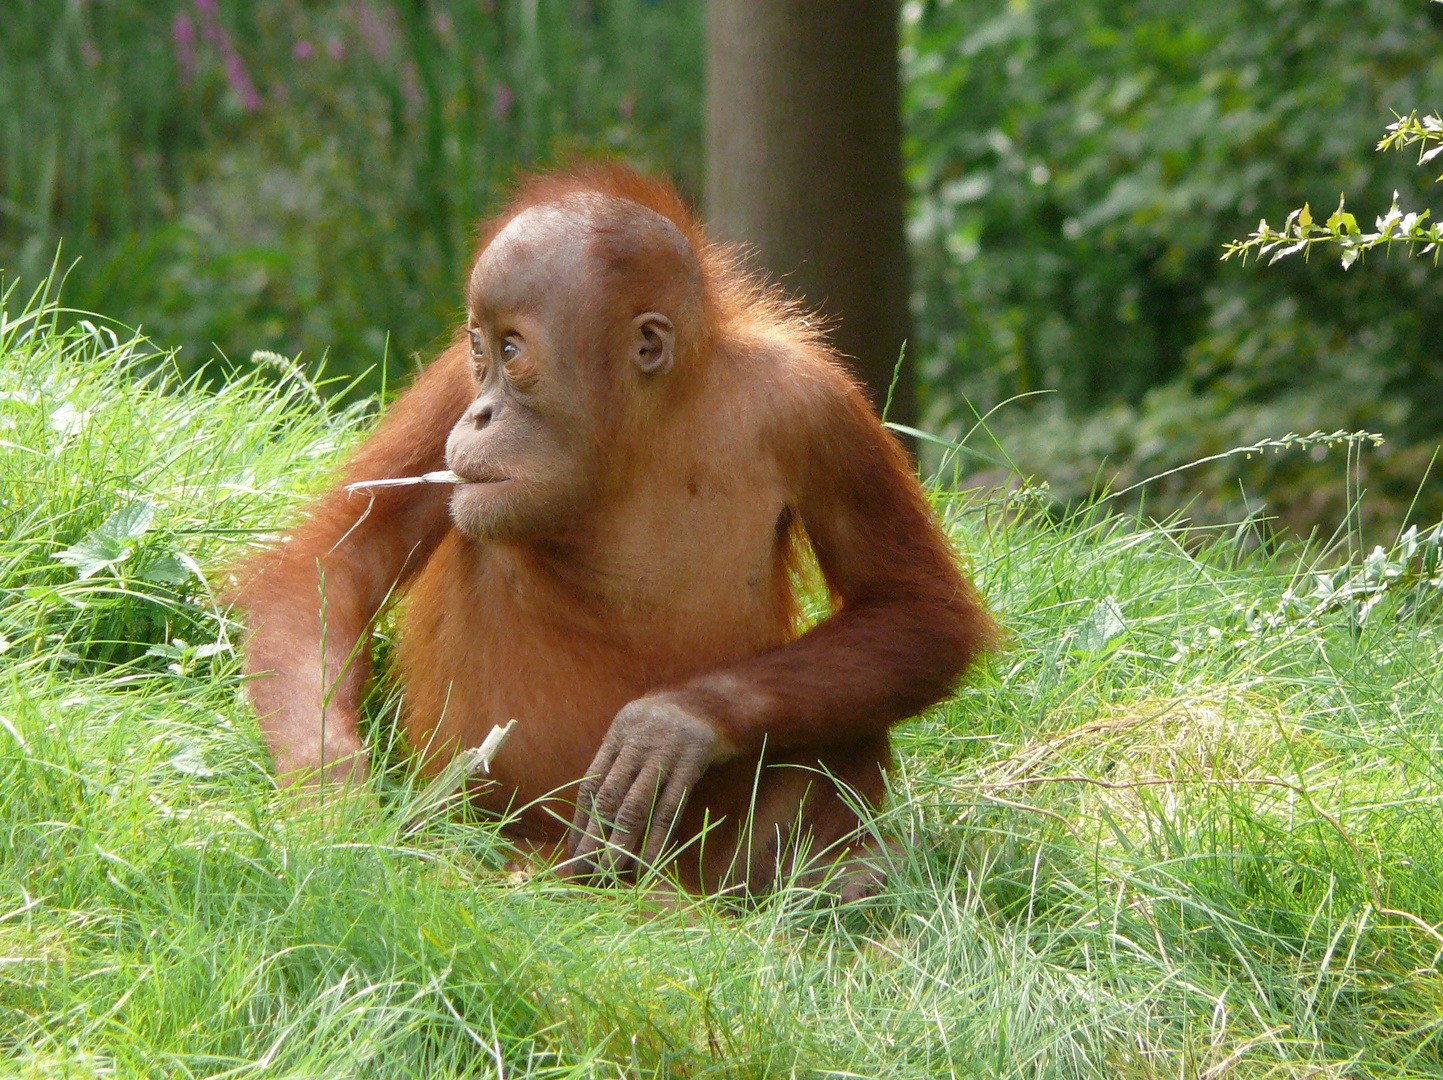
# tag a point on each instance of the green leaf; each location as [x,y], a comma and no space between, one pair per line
[1102,626]
[166,570]
[109,544]
[133,521]
[1305,217]
[1340,222]
[191,762]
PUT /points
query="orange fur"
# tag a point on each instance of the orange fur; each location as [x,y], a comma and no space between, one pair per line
[674,578]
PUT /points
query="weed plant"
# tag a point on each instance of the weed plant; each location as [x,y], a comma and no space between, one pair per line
[1186,824]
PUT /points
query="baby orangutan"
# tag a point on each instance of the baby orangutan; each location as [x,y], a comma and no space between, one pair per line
[646,435]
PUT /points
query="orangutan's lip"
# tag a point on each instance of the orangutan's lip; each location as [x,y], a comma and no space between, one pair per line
[477,482]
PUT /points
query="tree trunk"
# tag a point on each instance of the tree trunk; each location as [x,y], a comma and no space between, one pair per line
[804,162]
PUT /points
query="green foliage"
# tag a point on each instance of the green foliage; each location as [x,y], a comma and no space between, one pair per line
[119,480]
[108,544]
[1078,167]
[306,177]
[1187,825]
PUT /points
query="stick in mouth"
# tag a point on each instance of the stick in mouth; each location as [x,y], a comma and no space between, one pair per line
[445,476]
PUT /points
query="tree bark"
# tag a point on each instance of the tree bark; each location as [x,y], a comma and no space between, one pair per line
[804,162]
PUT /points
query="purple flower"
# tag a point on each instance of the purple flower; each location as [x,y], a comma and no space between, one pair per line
[235,71]
[303,50]
[378,32]
[210,27]
[240,81]
[336,49]
[410,86]
[182,32]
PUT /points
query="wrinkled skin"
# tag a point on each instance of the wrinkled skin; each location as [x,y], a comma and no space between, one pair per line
[525,440]
[626,809]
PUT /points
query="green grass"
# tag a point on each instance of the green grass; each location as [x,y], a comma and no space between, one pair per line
[1188,824]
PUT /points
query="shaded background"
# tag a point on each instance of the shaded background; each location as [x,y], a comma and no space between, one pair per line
[306,178]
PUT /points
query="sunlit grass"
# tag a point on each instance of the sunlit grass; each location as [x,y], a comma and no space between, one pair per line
[1185,825]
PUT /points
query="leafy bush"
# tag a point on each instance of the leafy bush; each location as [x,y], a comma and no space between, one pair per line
[1078,167]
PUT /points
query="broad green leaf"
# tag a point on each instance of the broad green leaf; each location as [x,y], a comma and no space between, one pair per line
[1102,626]
[166,570]
[109,544]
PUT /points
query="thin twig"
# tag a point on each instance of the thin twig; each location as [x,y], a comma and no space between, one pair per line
[1124,785]
[444,476]
[1066,822]
[454,776]
[1217,1069]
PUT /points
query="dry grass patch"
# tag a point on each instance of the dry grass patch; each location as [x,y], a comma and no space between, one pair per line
[1145,757]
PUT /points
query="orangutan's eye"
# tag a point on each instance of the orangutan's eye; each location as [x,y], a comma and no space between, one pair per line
[510,349]
[478,347]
